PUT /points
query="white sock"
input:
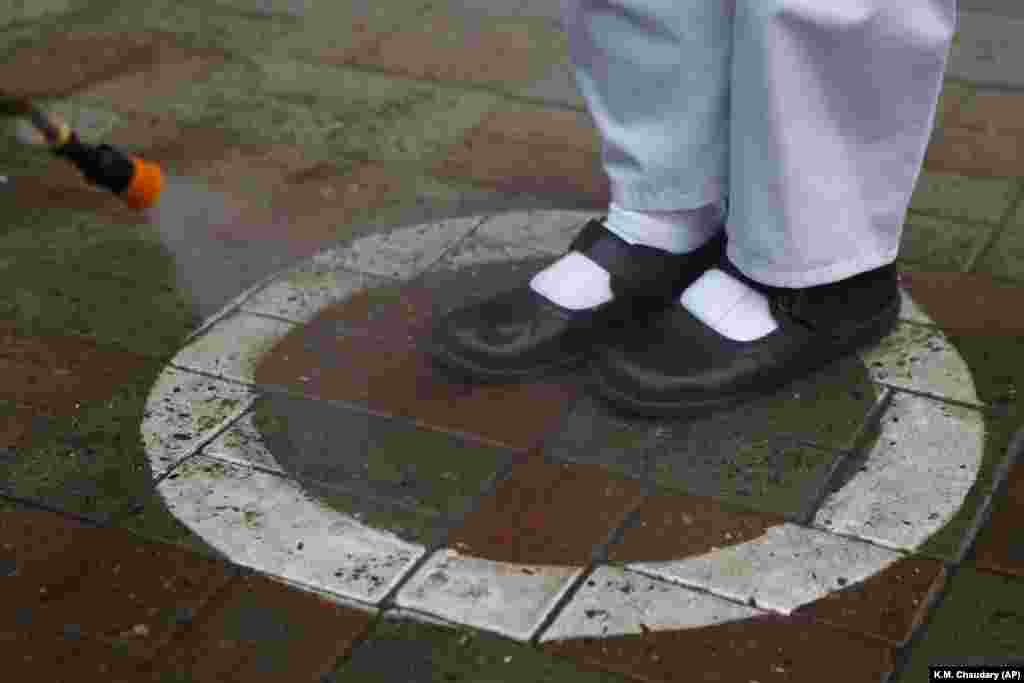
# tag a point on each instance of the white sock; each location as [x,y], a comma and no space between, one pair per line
[676,232]
[729,307]
[575,282]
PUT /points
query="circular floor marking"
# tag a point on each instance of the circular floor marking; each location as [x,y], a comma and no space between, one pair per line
[240,503]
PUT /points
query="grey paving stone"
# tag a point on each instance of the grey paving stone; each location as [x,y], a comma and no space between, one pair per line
[1004,8]
[989,50]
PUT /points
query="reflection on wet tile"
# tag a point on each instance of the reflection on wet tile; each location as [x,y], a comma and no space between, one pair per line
[535,515]
[770,474]
[392,458]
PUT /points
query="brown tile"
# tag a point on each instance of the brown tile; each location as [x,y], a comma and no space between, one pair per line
[315,199]
[62,351]
[989,112]
[767,649]
[68,62]
[48,657]
[442,49]
[889,605]
[63,186]
[675,526]
[271,194]
[392,378]
[967,303]
[190,150]
[480,410]
[130,593]
[361,39]
[403,311]
[38,385]
[1000,545]
[57,372]
[261,631]
[16,422]
[975,153]
[318,362]
[540,152]
[171,74]
[41,552]
[537,514]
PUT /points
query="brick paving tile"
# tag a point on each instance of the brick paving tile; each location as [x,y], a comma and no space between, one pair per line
[551,153]
[1005,257]
[446,47]
[535,515]
[262,631]
[966,302]
[124,592]
[981,135]
[988,111]
[390,377]
[399,310]
[172,73]
[981,618]
[62,185]
[1000,545]
[393,459]
[60,371]
[20,424]
[415,652]
[43,561]
[674,527]
[30,656]
[69,62]
[100,584]
[976,153]
[889,605]
[765,649]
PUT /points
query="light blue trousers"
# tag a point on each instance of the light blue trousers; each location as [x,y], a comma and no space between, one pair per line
[811,117]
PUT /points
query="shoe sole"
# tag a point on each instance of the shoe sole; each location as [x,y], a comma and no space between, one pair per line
[871,333]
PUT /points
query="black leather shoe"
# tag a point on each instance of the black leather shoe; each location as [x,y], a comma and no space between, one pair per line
[678,365]
[520,334]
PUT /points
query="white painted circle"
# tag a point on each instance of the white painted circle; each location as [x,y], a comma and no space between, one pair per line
[343,557]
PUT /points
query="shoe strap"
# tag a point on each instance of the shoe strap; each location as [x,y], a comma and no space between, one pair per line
[827,306]
[635,269]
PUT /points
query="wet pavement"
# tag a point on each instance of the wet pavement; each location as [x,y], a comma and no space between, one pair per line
[224,457]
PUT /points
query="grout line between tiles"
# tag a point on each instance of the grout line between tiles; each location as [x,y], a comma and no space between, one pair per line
[860,452]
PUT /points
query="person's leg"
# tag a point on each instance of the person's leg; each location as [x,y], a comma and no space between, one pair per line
[833,105]
[655,77]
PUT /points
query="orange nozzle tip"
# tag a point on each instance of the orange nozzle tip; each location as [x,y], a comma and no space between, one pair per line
[146,186]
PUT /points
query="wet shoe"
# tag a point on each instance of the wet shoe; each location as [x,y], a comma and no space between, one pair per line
[678,365]
[520,334]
